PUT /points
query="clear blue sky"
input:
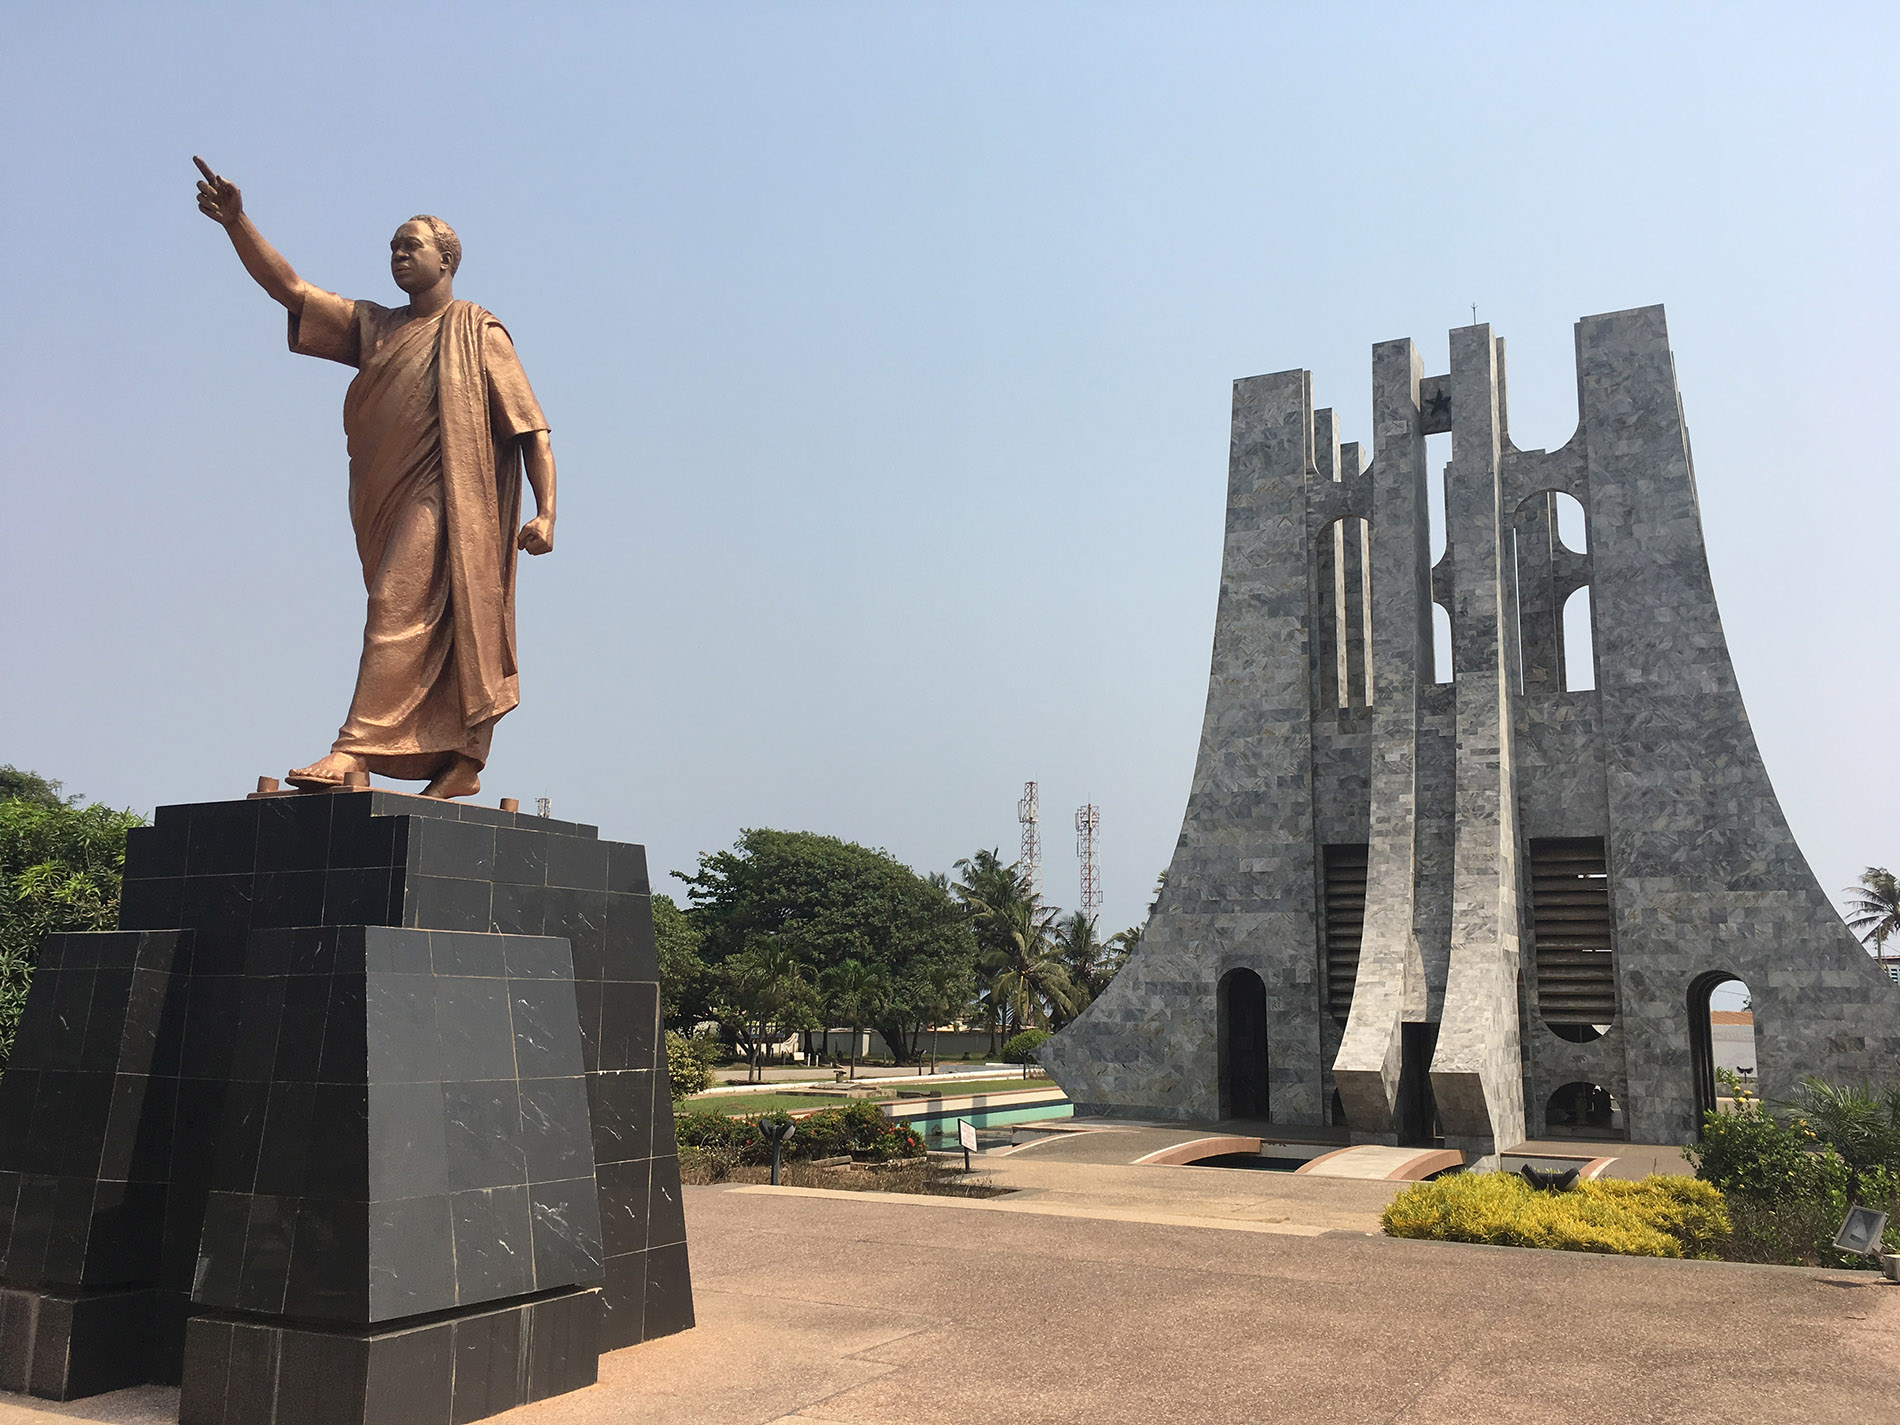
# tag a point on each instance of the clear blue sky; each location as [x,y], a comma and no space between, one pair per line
[887,350]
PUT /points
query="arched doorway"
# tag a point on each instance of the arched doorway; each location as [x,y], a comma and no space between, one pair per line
[1721,1036]
[1243,1045]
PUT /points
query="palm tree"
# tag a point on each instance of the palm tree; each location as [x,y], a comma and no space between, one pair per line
[1873,909]
[1033,984]
[986,888]
[1091,963]
[853,992]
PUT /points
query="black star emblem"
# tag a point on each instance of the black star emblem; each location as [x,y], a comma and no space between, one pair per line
[1438,404]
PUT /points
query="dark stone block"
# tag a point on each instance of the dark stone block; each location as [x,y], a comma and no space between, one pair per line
[555,1134]
[577,863]
[518,910]
[462,954]
[474,1029]
[412,1258]
[629,1025]
[329,1263]
[444,903]
[390,951]
[339,1143]
[206,1374]
[521,857]
[587,1001]
[128,1223]
[620,1104]
[156,904]
[580,918]
[543,1014]
[260,1010]
[345,1033]
[293,834]
[536,957]
[493,1244]
[322,1378]
[356,895]
[483,1129]
[627,869]
[565,1217]
[267,1244]
[152,851]
[632,953]
[407,1141]
[290,898]
[250,1392]
[490,1364]
[219,905]
[623,1298]
[666,1216]
[623,1206]
[411,1376]
[300,1032]
[454,848]
[669,1299]
[283,1157]
[240,1136]
[563,1344]
[220,1274]
[401,1027]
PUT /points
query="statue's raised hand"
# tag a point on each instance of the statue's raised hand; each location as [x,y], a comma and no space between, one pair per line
[218,198]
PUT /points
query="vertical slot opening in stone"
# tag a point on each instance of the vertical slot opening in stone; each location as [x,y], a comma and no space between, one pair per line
[1721,1040]
[1242,1010]
[1345,874]
[1441,644]
[1570,930]
[1580,662]
[1344,554]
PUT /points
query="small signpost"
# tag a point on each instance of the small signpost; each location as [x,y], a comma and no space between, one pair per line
[966,1140]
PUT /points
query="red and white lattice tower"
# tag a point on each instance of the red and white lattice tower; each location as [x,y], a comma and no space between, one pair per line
[1031,859]
[1088,826]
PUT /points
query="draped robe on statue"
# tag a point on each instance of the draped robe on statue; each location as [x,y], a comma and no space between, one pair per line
[433,419]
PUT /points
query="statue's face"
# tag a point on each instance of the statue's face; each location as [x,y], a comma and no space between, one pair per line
[415,261]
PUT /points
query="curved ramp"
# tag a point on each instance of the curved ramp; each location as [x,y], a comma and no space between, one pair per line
[1374,1162]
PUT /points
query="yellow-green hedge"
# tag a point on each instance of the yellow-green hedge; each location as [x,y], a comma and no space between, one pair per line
[1657,1216]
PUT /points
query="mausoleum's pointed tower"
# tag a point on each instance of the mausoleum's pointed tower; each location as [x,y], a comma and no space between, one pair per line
[1463,910]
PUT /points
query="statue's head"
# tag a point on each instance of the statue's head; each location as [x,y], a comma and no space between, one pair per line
[423,252]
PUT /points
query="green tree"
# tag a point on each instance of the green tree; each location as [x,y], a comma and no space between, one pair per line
[1033,987]
[685,978]
[760,995]
[986,888]
[1873,907]
[836,901]
[60,868]
[852,993]
[1091,963]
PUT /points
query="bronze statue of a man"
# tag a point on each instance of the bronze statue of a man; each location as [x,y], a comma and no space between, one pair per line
[441,423]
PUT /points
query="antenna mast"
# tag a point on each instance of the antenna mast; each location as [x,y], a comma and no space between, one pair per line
[1088,825]
[1031,859]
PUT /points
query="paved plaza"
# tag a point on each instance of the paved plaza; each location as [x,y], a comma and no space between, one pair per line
[1257,1297]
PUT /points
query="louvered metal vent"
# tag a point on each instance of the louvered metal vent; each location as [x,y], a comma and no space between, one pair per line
[1345,923]
[1570,927]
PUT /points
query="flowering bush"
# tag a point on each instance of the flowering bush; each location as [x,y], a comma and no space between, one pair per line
[1657,1217]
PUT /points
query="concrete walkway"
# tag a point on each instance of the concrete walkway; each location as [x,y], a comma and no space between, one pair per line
[862,1309]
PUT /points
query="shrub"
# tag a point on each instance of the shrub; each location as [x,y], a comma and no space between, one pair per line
[689,1063]
[1656,1217]
[1021,1048]
[854,1129]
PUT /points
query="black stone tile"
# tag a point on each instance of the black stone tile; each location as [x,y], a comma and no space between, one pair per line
[392,951]
[629,1025]
[493,1244]
[152,1138]
[290,898]
[577,863]
[408,1155]
[223,839]
[200,1110]
[113,950]
[620,1104]
[220,905]
[565,1218]
[356,895]
[359,839]
[293,834]
[338,1165]
[546,1028]
[555,1133]
[240,1135]
[536,957]
[35,1218]
[127,1108]
[444,903]
[345,1057]
[663,1141]
[267,1245]
[65,1044]
[490,1364]
[563,1344]
[269,950]
[250,1392]
[411,1258]
[580,918]
[155,904]
[521,857]
[627,868]
[18,1089]
[630,953]
[220,1274]
[518,910]
[207,1370]
[184,1230]
[111,1343]
[260,1010]
[483,1130]
[155,851]
[144,1017]
[300,1031]
[669,1298]
[411,1376]
[36,1040]
[71,1230]
[623,1302]
[216,952]
[463,953]
[128,1227]
[400,1027]
[313,951]
[454,848]
[283,1157]
[666,1217]
[211,1018]
[623,1206]
[329,1262]
[587,1001]
[474,1029]
[162,951]
[322,1378]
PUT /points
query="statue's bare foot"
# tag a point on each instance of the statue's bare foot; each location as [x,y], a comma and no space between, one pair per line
[460,778]
[325,771]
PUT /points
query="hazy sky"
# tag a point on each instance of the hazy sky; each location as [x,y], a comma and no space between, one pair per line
[888,353]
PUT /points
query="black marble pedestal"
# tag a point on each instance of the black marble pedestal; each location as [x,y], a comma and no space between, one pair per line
[367,1088]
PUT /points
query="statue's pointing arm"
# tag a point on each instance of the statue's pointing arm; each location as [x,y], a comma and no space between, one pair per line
[220,200]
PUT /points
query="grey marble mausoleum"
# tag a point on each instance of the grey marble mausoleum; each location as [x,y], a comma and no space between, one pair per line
[1494,907]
